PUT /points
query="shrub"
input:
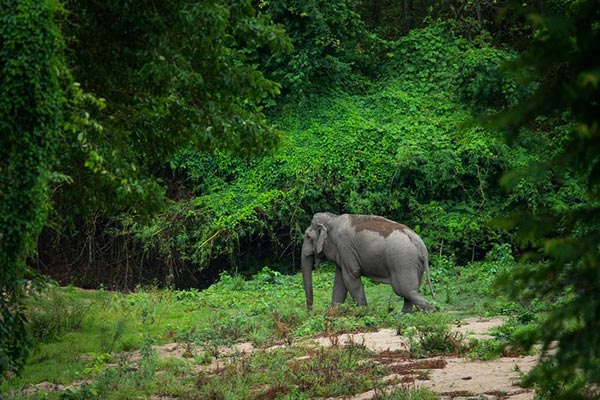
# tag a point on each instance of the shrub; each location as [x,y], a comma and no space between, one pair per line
[430,335]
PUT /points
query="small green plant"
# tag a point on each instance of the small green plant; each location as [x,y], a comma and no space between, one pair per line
[486,349]
[430,335]
[83,392]
[108,338]
[97,363]
[407,393]
[147,363]
[202,358]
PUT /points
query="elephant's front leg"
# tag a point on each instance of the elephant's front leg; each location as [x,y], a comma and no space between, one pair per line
[354,285]
[339,288]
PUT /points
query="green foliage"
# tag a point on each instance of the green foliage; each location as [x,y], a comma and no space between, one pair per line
[430,335]
[184,73]
[399,147]
[29,115]
[330,43]
[91,177]
[484,84]
[147,81]
[474,70]
[565,54]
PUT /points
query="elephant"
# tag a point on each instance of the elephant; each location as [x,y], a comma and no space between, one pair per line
[366,245]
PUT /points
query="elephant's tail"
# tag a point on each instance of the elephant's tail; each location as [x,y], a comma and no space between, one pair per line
[426,262]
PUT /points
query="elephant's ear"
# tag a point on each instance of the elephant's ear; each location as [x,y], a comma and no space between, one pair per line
[321,238]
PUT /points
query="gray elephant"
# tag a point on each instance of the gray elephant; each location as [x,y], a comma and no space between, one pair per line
[366,245]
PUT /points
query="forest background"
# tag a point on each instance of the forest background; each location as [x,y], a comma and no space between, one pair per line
[166,142]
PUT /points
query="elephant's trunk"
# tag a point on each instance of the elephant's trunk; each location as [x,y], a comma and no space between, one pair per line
[307,266]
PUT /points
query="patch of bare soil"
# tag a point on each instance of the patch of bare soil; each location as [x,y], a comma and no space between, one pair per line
[477,327]
[186,351]
[379,341]
[451,377]
[488,379]
[35,389]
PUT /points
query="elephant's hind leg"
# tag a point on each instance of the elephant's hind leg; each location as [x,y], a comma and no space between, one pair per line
[408,306]
[410,292]
[414,298]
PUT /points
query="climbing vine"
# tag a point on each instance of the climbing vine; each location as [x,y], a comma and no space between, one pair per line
[29,114]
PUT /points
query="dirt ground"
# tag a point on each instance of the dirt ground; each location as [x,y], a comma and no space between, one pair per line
[452,377]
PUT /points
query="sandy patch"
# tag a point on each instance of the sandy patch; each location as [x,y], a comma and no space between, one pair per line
[477,327]
[379,341]
[486,378]
[453,378]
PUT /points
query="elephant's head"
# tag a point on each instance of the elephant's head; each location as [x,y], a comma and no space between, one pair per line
[312,251]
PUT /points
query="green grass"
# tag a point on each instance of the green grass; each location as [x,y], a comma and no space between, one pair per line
[103,341]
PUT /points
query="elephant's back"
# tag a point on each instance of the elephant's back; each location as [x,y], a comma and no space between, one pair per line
[374,223]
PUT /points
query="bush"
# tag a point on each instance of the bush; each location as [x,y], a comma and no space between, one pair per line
[430,335]
[331,45]
[485,82]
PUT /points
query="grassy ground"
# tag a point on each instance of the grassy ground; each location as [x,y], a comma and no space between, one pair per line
[100,344]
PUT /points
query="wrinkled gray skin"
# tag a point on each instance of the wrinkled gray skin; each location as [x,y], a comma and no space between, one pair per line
[365,245]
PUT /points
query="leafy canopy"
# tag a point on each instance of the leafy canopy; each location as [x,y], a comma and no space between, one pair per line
[168,76]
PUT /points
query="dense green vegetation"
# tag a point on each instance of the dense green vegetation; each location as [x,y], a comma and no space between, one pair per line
[565,53]
[30,62]
[170,144]
[396,147]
